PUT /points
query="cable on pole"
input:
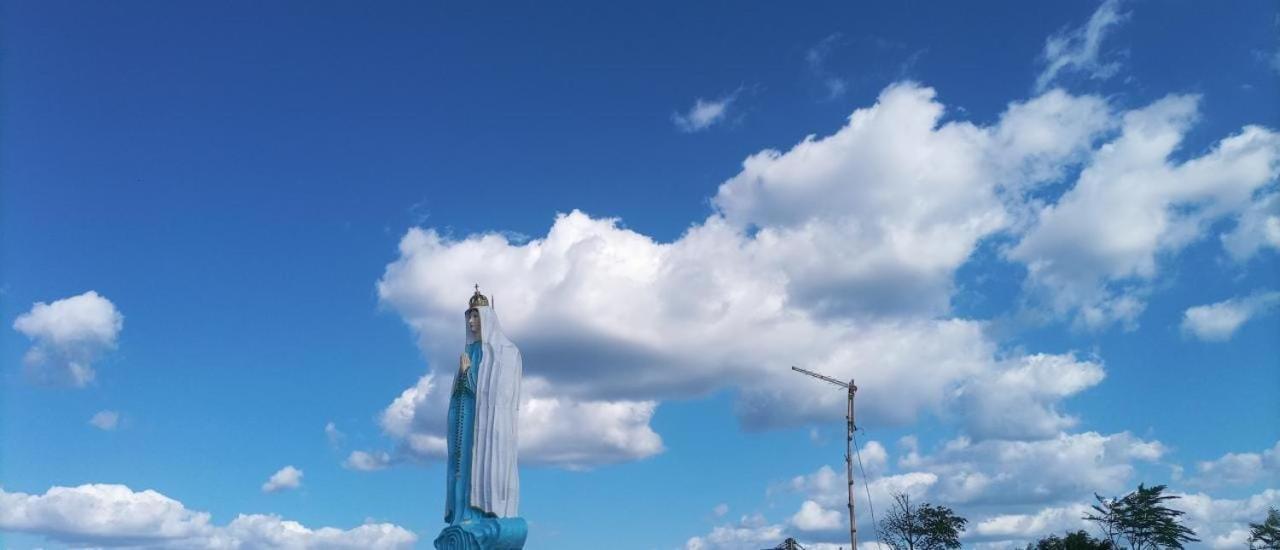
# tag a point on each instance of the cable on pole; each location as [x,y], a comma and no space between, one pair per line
[866,485]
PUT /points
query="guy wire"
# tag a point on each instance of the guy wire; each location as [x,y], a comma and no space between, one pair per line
[866,486]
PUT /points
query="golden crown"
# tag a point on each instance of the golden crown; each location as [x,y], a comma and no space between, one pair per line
[478,299]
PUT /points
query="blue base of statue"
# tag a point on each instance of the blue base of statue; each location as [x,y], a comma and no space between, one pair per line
[484,534]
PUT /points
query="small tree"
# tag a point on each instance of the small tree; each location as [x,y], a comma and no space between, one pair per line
[1142,520]
[920,527]
[1078,540]
[1266,535]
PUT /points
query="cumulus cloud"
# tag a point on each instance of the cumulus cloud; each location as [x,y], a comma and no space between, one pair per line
[1080,49]
[1257,228]
[1066,467]
[67,336]
[1219,321]
[105,420]
[813,517]
[749,532]
[103,515]
[1063,469]
[1239,468]
[286,478]
[1219,522]
[1030,527]
[1095,250]
[1020,402]
[1222,522]
[839,254]
[1012,491]
[365,461]
[704,113]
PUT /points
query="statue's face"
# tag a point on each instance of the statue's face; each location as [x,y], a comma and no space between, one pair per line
[473,324]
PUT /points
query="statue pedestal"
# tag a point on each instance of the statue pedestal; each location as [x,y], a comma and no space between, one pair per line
[484,534]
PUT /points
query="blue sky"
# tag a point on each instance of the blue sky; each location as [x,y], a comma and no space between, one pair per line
[1043,239]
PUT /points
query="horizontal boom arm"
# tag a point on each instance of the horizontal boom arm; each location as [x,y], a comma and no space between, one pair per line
[821,377]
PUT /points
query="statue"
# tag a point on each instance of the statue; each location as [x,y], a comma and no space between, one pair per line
[483,484]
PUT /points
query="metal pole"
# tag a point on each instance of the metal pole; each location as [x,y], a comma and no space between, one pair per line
[848,448]
[848,464]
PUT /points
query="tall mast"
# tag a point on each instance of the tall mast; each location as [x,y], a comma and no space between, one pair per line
[848,448]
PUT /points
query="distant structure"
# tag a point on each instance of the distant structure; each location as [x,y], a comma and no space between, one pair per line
[848,449]
[789,544]
[483,485]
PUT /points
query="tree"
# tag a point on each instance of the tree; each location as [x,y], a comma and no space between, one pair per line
[1266,535]
[1078,540]
[1142,520]
[920,527]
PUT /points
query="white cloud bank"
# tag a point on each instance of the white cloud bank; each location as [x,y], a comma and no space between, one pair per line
[67,336]
[286,478]
[102,515]
[1097,248]
[1219,321]
[1011,492]
[839,254]
[1239,468]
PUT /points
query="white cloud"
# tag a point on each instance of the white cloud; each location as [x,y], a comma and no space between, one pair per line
[67,336]
[1239,468]
[1020,402]
[876,218]
[1224,523]
[1219,321]
[1257,228]
[1062,469]
[840,255]
[1080,49]
[286,478]
[813,517]
[270,531]
[1012,491]
[1218,523]
[105,420]
[333,435]
[704,113]
[750,532]
[1029,527]
[874,458]
[720,510]
[368,461]
[1097,248]
[103,515]
[99,513]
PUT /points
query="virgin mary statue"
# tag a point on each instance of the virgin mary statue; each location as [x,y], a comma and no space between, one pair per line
[483,484]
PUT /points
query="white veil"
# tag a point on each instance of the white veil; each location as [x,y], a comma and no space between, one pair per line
[495,478]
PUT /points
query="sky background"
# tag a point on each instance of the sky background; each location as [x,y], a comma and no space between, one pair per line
[1046,246]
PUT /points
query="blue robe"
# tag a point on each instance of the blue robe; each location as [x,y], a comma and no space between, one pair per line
[462,419]
[469,527]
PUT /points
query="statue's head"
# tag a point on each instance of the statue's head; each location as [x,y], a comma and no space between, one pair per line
[478,300]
